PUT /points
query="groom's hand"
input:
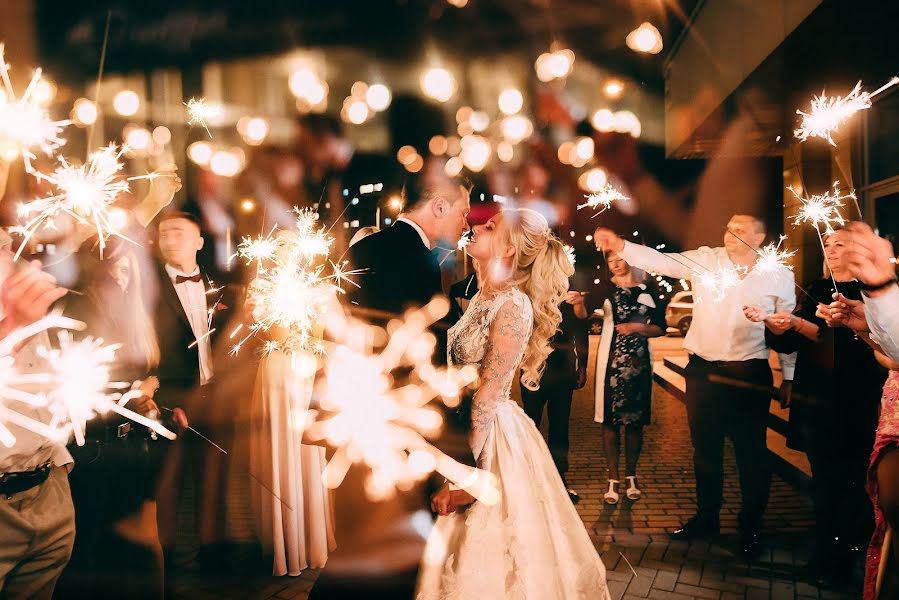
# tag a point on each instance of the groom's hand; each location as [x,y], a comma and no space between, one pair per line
[442,501]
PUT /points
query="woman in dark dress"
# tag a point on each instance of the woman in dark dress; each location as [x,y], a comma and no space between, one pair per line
[633,313]
[833,415]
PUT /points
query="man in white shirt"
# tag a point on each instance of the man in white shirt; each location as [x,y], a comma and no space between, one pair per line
[723,343]
[37,519]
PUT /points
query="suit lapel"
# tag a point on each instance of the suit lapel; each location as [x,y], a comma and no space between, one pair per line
[171,297]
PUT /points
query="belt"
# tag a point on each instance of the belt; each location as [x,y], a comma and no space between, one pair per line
[110,433]
[726,363]
[21,481]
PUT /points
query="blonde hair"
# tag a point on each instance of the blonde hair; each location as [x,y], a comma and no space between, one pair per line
[824,237]
[540,269]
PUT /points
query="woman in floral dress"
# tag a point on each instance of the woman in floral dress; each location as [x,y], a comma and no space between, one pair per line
[633,313]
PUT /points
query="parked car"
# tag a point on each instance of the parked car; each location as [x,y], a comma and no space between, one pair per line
[679,313]
[595,322]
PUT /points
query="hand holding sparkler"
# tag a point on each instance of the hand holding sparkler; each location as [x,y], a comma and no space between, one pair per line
[843,312]
[781,322]
[870,258]
[754,314]
[164,184]
[607,240]
[26,295]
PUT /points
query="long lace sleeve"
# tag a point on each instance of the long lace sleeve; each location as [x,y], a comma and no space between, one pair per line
[509,330]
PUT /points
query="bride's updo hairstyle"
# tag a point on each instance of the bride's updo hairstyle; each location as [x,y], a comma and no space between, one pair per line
[540,269]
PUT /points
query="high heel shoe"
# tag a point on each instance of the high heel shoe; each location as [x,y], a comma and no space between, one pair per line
[612,497]
[633,492]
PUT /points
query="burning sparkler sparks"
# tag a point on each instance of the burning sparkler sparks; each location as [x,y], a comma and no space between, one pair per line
[84,192]
[603,197]
[569,252]
[828,113]
[200,112]
[772,260]
[373,420]
[721,279]
[822,209]
[295,286]
[25,125]
[74,388]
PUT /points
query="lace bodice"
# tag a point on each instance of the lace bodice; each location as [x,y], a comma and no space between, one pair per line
[492,335]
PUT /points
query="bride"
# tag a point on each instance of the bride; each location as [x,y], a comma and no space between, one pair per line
[531,544]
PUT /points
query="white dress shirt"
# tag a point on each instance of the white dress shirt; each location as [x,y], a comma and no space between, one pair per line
[421,232]
[192,295]
[720,330]
[882,314]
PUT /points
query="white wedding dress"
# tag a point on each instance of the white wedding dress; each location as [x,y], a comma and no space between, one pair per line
[292,508]
[531,544]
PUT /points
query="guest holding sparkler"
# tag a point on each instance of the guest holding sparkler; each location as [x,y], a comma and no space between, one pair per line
[117,549]
[632,313]
[837,439]
[189,313]
[871,259]
[291,505]
[722,342]
[37,519]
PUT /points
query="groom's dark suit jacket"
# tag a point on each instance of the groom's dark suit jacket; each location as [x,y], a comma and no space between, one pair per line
[378,550]
[399,270]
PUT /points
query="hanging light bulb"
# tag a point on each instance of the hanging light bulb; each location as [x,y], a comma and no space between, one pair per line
[645,38]
[438,84]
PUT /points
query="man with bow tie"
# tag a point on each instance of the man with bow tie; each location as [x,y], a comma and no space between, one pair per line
[189,313]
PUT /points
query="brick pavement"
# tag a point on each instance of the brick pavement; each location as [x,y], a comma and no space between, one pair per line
[641,561]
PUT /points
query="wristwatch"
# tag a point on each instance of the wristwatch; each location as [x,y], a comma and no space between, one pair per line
[865,287]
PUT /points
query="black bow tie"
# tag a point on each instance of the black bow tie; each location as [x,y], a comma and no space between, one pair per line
[182,278]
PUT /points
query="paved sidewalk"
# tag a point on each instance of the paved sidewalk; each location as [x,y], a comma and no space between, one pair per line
[640,559]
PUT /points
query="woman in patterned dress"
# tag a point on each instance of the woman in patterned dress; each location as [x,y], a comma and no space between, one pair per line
[633,313]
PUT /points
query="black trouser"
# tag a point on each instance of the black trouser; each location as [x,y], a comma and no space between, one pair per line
[715,411]
[556,389]
[838,440]
[111,480]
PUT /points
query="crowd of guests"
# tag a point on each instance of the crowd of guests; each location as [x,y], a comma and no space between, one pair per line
[109,526]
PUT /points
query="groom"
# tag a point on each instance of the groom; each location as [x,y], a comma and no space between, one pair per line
[380,544]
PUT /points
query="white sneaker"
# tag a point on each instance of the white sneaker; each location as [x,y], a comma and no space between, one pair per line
[612,497]
[633,492]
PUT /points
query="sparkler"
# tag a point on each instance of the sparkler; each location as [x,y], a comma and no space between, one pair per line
[293,288]
[80,388]
[74,389]
[822,209]
[376,421]
[828,113]
[569,252]
[721,279]
[772,260]
[603,197]
[200,112]
[84,192]
[25,126]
